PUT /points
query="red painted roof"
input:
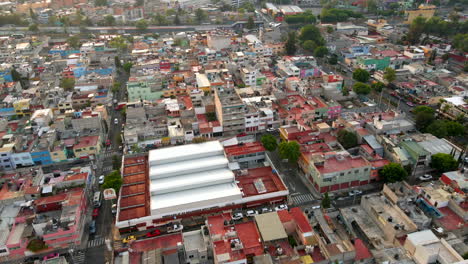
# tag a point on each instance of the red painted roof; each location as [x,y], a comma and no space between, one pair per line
[361,250]
[51,199]
[265,175]
[164,242]
[300,219]
[87,141]
[246,148]
[332,164]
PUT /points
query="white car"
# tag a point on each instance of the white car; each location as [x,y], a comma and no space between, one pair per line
[281,207]
[266,210]
[425,177]
[252,212]
[101,179]
[116,121]
[175,228]
[355,192]
[270,129]
[237,216]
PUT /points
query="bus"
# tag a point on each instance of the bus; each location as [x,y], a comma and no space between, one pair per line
[97,199]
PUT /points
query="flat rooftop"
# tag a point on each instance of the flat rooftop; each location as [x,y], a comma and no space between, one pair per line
[259,181]
[134,199]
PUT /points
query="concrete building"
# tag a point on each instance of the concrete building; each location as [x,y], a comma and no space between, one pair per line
[190,180]
[425,247]
[425,11]
[230,111]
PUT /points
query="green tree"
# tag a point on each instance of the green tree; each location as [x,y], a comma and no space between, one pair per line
[361,88]
[311,32]
[309,45]
[371,6]
[250,23]
[345,91]
[423,120]
[140,2]
[454,128]
[416,29]
[109,20]
[437,128]
[141,25]
[211,116]
[32,14]
[33,28]
[393,172]
[160,20]
[127,66]
[290,45]
[289,150]
[347,139]
[333,60]
[74,41]
[100,2]
[115,87]
[443,162]
[68,84]
[377,86]
[15,75]
[423,109]
[326,202]
[460,42]
[176,20]
[361,75]
[269,142]
[389,75]
[116,162]
[200,15]
[113,180]
[118,43]
[330,29]
[117,62]
[320,51]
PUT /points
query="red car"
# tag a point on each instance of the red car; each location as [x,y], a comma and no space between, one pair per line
[95,213]
[108,142]
[154,233]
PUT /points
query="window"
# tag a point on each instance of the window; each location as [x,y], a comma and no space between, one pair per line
[356,171]
[91,148]
[349,172]
[366,169]
[342,174]
[3,155]
[191,256]
[55,154]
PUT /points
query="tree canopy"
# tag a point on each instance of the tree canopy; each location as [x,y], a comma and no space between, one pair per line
[289,150]
[443,162]
[377,86]
[303,18]
[326,202]
[269,142]
[74,41]
[127,66]
[361,88]
[320,51]
[347,138]
[393,172]
[113,180]
[141,25]
[311,32]
[68,84]
[290,45]
[334,15]
[250,23]
[361,75]
[389,75]
[200,15]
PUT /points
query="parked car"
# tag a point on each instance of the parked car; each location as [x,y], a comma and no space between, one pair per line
[116,121]
[92,228]
[153,233]
[51,256]
[114,209]
[251,212]
[175,228]
[281,207]
[101,179]
[410,103]
[237,216]
[129,239]
[271,129]
[425,177]
[354,192]
[315,207]
[95,213]
[266,210]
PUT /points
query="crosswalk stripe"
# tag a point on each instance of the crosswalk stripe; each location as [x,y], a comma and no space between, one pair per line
[302,198]
[96,242]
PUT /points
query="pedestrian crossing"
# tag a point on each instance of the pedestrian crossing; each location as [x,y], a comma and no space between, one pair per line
[107,155]
[107,169]
[302,199]
[79,257]
[96,242]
